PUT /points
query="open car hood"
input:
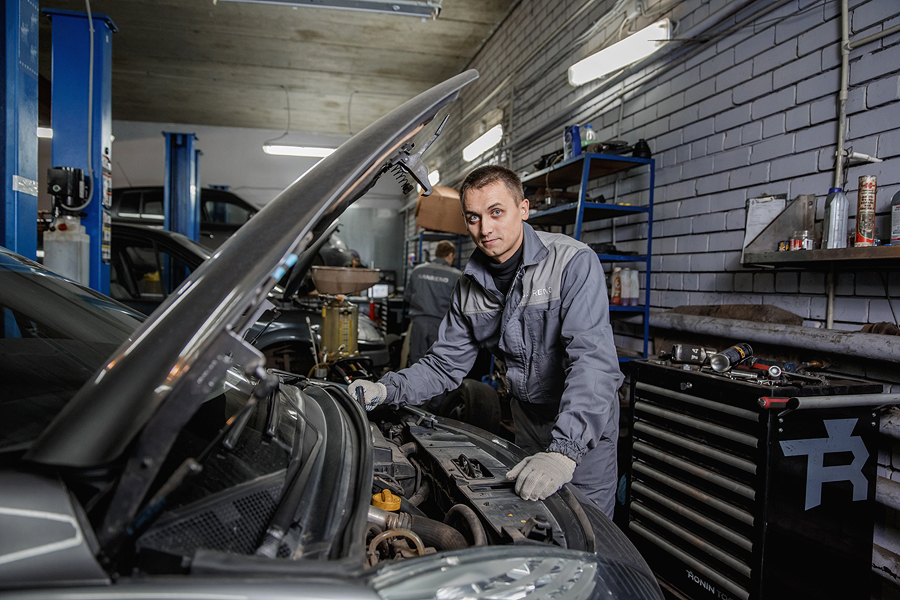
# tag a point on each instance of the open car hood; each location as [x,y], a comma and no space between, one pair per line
[155,381]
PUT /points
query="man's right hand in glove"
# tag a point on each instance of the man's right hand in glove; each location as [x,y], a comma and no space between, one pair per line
[541,475]
[371,393]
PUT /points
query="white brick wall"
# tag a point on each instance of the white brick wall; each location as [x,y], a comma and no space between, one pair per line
[752,114]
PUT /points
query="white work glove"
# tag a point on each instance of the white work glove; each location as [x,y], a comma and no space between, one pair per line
[373,392]
[541,475]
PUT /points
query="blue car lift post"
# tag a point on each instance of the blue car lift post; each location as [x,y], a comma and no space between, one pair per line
[72,70]
[181,195]
[18,220]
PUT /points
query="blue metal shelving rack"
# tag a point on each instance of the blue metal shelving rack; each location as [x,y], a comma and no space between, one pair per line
[579,171]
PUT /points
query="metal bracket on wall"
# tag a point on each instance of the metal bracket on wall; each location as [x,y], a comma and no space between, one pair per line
[799,214]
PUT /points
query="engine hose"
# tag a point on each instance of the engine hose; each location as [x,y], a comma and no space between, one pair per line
[479,537]
[421,494]
[434,533]
[420,547]
[373,529]
[408,449]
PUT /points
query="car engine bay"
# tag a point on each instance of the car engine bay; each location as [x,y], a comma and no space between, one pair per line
[436,485]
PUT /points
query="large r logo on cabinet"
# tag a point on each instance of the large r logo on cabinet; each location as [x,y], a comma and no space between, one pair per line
[840,439]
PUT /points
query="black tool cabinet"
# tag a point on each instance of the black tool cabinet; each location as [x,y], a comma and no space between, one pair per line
[730,500]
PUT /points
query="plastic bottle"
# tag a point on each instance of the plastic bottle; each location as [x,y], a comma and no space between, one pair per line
[588,135]
[67,249]
[834,229]
[625,274]
[635,288]
[615,287]
[895,219]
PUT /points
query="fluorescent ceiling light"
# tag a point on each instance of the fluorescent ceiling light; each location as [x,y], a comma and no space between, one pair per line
[434,177]
[484,143]
[621,54]
[407,8]
[44,132]
[309,151]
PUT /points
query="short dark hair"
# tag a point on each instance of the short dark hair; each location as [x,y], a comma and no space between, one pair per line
[489,174]
[444,249]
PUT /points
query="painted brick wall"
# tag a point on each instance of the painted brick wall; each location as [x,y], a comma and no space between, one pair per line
[745,106]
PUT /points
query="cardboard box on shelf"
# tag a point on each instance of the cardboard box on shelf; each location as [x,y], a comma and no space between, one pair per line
[441,211]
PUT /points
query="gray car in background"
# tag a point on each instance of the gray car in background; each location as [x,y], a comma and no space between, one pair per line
[222,212]
[148,264]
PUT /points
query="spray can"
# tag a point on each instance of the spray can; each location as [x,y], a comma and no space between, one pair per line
[865,211]
[837,209]
[895,219]
[724,360]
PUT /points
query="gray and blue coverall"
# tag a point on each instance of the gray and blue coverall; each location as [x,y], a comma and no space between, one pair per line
[428,292]
[552,330]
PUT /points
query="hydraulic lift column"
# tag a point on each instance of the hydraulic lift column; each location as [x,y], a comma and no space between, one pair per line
[18,219]
[82,121]
[182,189]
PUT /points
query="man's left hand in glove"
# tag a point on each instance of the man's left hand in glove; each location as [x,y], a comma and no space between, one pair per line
[541,475]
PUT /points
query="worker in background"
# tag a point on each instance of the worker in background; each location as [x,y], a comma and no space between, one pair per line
[428,294]
[537,300]
[355,260]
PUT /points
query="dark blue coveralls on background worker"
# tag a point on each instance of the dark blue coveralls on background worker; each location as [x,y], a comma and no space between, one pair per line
[538,301]
[428,293]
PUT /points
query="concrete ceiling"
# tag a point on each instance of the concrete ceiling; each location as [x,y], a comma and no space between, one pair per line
[228,63]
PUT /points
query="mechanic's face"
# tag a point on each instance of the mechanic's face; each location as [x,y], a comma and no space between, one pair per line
[494,219]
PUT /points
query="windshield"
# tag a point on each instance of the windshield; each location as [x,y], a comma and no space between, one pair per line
[55,335]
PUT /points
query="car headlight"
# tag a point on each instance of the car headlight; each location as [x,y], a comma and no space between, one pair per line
[497,574]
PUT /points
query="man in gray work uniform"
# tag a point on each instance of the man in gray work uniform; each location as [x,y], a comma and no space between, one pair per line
[428,293]
[538,301]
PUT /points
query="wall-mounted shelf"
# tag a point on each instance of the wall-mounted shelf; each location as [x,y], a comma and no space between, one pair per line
[829,260]
[873,256]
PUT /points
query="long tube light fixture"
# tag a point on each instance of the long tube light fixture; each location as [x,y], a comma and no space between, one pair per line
[635,47]
[485,142]
[310,151]
[408,8]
